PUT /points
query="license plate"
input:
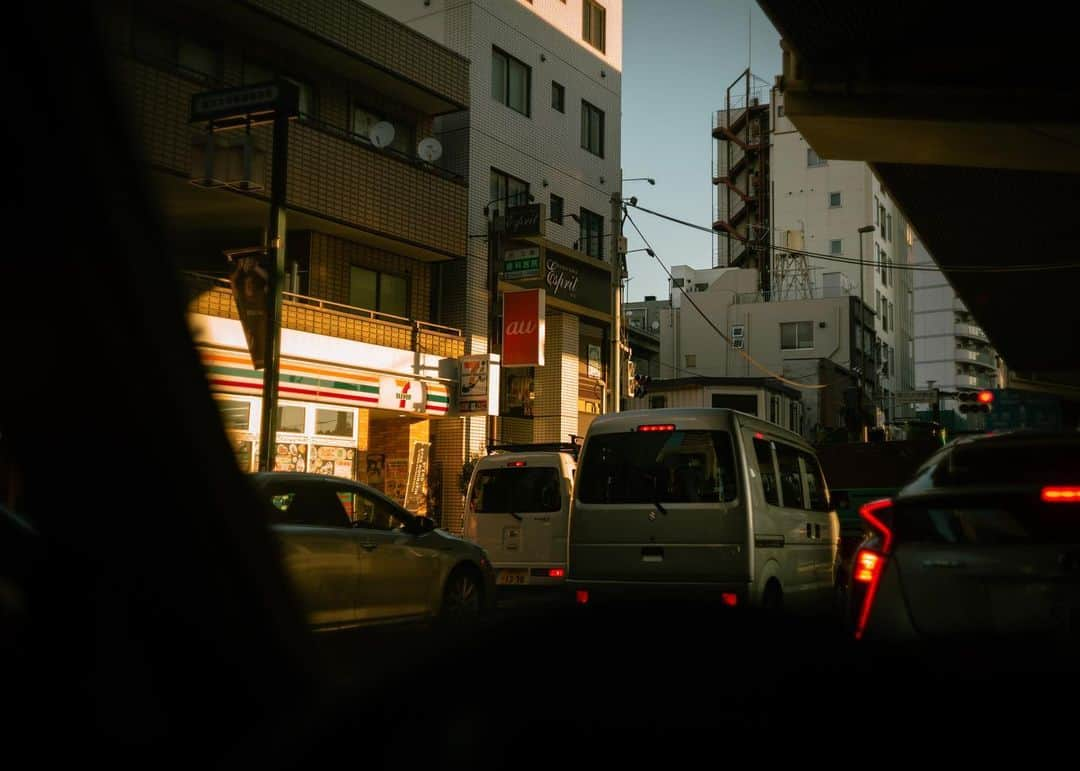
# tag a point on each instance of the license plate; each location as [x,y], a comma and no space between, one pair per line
[511,577]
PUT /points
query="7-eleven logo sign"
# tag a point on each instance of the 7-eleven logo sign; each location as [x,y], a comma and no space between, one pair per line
[401,394]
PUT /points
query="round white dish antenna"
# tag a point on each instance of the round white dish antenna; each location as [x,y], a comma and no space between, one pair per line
[430,149]
[381,134]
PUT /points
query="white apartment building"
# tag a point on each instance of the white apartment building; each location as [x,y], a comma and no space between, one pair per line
[952,353]
[543,123]
[818,207]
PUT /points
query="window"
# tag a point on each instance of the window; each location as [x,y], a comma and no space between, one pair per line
[307,96]
[892,360]
[884,268]
[382,292]
[516,490]
[556,209]
[774,410]
[835,200]
[592,128]
[311,505]
[892,322]
[593,24]
[836,246]
[796,334]
[507,190]
[558,97]
[779,111]
[691,360]
[235,414]
[888,227]
[884,314]
[767,471]
[369,511]
[815,483]
[592,234]
[511,81]
[742,402]
[813,159]
[334,423]
[657,402]
[364,119]
[664,466]
[791,487]
[291,419]
[877,212]
[164,46]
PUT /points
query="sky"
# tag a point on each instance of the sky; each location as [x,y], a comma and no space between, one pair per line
[679,57]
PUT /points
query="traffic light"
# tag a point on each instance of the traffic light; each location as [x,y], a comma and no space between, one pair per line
[976,401]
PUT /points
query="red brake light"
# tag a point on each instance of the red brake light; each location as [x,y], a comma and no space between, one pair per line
[582,597]
[985,397]
[516,463]
[867,565]
[759,435]
[556,573]
[1061,494]
[658,427]
[730,599]
[870,512]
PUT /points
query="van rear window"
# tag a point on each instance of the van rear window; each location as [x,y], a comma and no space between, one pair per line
[664,466]
[516,490]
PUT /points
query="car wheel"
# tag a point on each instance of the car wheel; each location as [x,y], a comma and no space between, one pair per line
[462,598]
[772,602]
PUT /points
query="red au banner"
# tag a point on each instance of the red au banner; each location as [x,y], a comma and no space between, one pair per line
[523,328]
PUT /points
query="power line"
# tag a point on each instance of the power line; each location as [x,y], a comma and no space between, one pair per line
[717,329]
[871,261]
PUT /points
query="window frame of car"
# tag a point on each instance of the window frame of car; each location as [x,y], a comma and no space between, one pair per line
[406,517]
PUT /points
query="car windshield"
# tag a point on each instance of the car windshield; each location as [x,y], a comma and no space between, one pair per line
[658,466]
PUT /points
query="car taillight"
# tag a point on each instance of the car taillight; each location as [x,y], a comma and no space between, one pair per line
[556,573]
[870,560]
[516,464]
[730,599]
[1070,494]
[582,597]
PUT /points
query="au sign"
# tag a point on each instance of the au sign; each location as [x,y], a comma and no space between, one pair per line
[523,328]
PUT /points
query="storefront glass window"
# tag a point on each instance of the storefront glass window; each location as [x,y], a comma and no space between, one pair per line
[334,423]
[235,414]
[291,419]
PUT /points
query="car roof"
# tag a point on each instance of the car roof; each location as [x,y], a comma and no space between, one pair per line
[499,458]
[614,422]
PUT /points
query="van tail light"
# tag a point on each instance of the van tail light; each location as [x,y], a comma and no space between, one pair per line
[730,599]
[556,573]
[581,597]
[870,559]
[516,464]
[1070,494]
[658,427]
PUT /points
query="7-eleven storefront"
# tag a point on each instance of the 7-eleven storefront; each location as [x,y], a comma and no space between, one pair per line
[332,419]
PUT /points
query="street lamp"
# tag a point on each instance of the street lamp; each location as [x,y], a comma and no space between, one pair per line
[650,180]
[862,327]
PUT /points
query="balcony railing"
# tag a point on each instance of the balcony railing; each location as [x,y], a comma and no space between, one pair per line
[969,330]
[976,357]
[212,296]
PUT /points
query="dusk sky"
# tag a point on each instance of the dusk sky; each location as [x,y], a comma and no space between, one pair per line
[679,57]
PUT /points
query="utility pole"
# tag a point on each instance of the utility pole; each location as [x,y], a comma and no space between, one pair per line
[617,259]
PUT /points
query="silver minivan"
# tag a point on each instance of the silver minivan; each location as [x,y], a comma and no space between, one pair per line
[517,509]
[682,502]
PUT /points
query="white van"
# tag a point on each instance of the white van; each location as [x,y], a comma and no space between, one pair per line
[681,502]
[517,509]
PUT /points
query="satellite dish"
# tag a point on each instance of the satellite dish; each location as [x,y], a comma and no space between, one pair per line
[429,149]
[381,134]
[655,325]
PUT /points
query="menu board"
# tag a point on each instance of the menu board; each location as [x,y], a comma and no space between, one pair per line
[291,457]
[333,460]
[397,478]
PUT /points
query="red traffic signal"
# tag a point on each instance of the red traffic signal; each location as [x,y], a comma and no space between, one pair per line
[975,401]
[985,397]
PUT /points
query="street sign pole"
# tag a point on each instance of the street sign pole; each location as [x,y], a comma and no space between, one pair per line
[276,252]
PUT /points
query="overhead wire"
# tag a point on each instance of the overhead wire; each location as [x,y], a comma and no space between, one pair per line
[871,261]
[754,362]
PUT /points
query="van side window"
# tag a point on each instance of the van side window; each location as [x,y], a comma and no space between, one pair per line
[787,458]
[767,470]
[815,483]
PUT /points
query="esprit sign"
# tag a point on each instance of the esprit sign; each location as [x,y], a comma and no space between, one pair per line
[523,328]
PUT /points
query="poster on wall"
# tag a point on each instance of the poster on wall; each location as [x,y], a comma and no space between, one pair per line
[396,479]
[333,461]
[416,489]
[290,457]
[479,384]
[594,361]
[373,466]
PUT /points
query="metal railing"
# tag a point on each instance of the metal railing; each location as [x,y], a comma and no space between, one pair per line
[212,296]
